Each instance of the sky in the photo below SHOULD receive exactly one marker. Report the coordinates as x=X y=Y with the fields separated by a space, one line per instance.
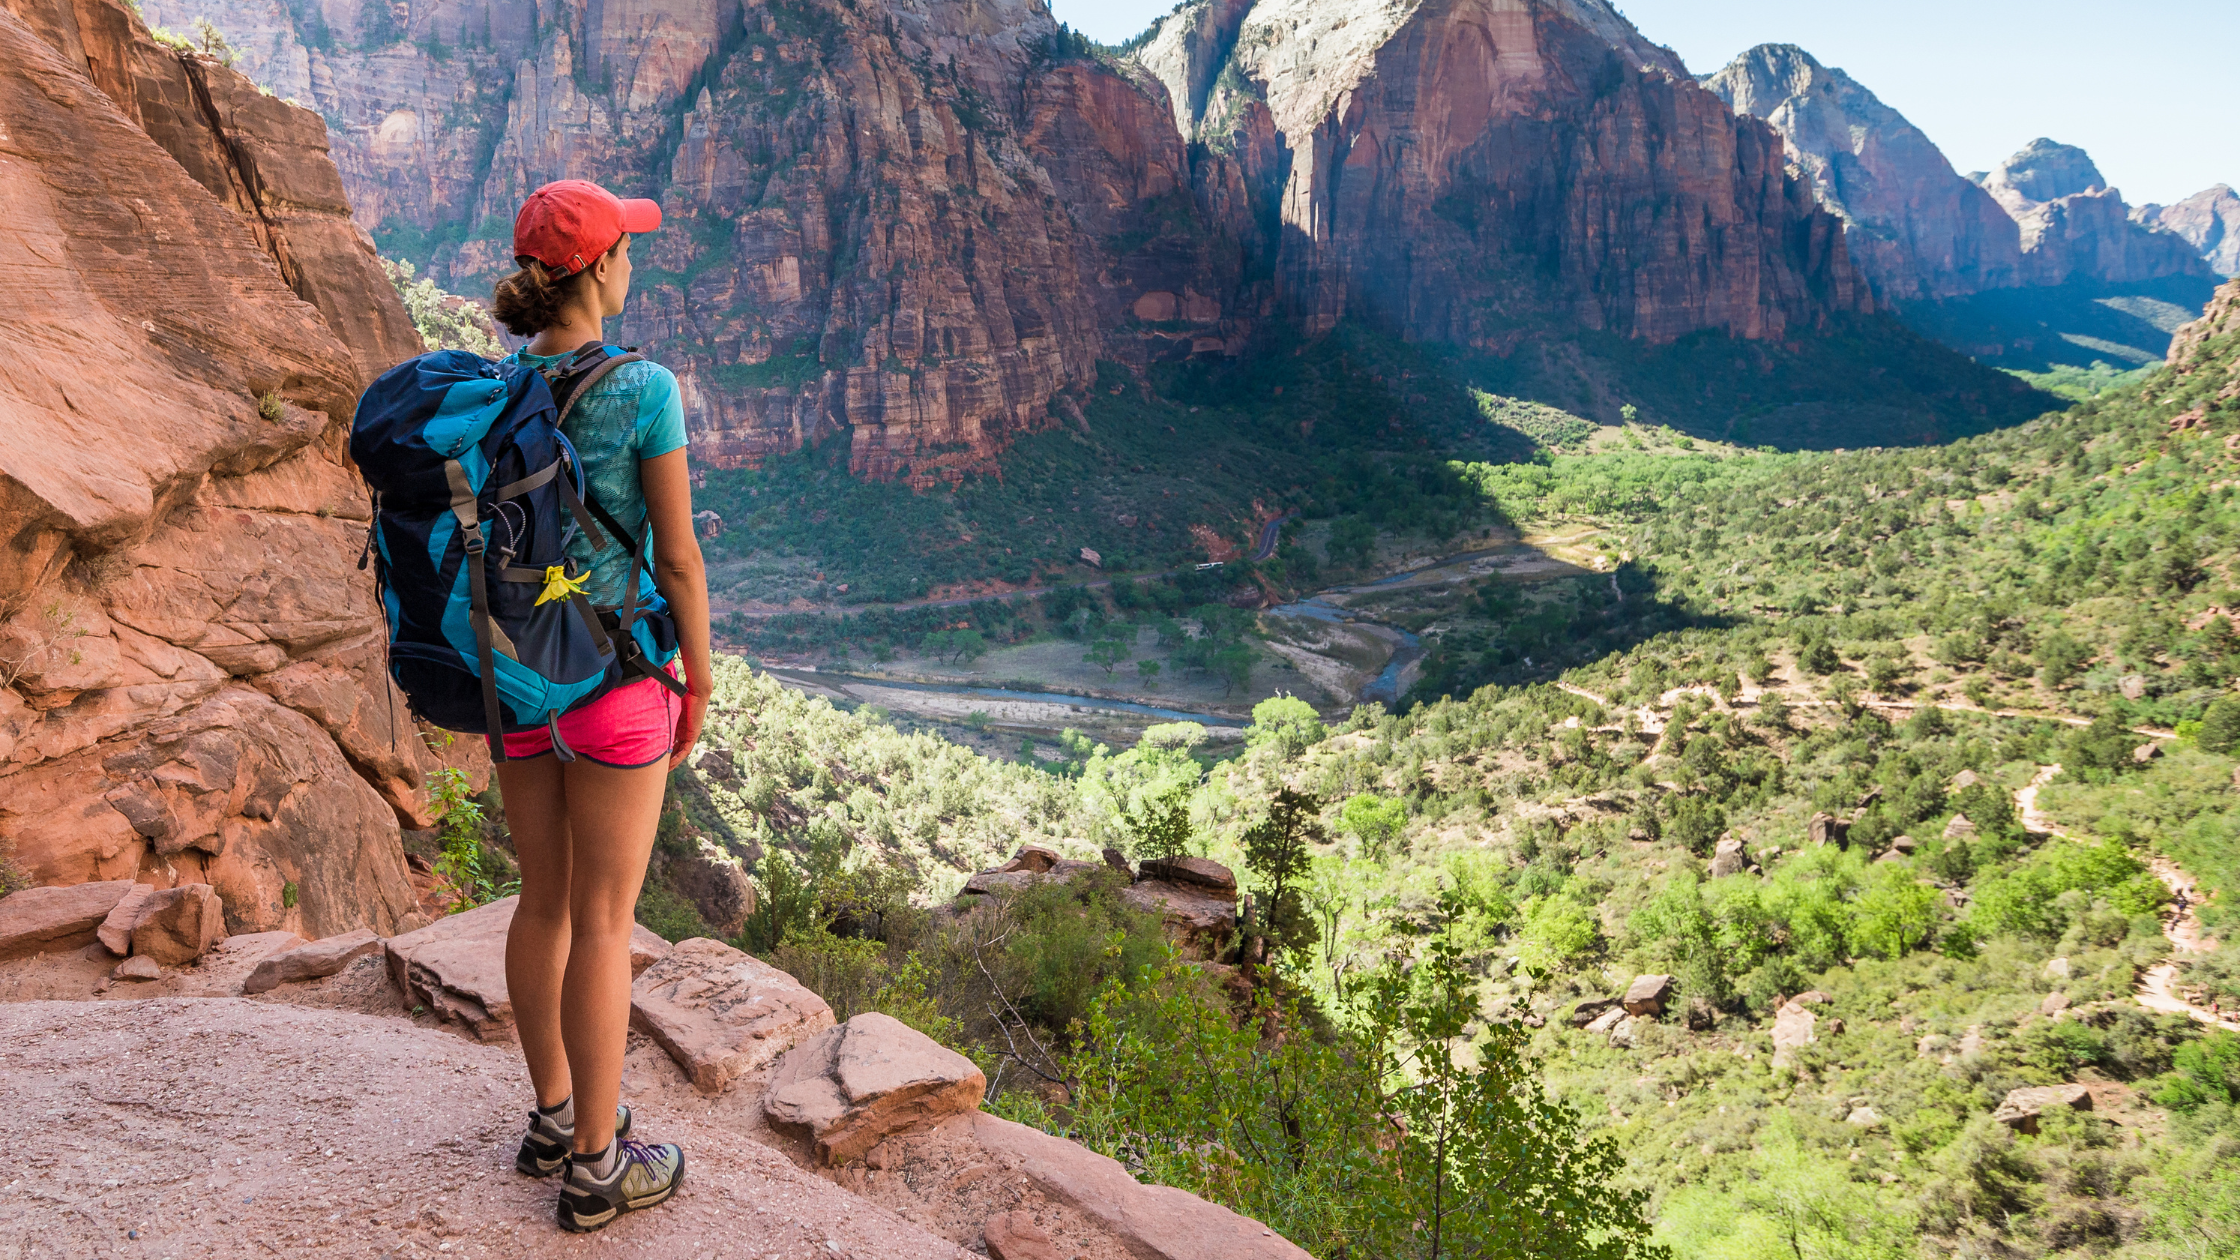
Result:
x=2147 y=87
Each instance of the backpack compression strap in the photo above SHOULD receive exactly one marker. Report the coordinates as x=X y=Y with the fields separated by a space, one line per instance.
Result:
x=489 y=637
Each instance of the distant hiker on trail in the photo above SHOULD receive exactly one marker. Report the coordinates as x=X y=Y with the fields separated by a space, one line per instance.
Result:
x=542 y=583
x=583 y=830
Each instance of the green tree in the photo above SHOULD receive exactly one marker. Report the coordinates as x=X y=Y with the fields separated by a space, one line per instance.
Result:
x=1894 y=912
x=2220 y=726
x=1278 y=850
x=1486 y=1163
x=1286 y=724
x=1147 y=672
x=1373 y=820
x=1160 y=828
x=1234 y=665
x=1108 y=653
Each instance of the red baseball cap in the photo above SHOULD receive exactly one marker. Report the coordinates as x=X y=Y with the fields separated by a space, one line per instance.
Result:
x=568 y=223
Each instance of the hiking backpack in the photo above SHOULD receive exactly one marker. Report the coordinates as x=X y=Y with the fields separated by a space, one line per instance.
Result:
x=476 y=496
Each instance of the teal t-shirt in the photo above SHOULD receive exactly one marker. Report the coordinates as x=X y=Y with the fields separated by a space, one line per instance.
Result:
x=631 y=414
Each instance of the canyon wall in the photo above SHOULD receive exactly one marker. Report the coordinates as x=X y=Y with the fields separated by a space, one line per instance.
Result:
x=1916 y=227
x=919 y=222
x=2209 y=221
x=191 y=680
x=1921 y=231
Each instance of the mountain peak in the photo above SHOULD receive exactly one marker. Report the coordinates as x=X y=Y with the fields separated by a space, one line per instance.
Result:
x=2046 y=170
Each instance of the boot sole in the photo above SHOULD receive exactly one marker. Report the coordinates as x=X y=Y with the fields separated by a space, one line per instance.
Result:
x=578 y=1223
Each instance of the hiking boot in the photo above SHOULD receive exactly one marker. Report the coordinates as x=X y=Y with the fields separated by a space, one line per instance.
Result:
x=545 y=1147
x=638 y=1177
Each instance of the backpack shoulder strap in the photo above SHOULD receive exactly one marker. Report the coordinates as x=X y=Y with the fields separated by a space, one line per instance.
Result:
x=583 y=370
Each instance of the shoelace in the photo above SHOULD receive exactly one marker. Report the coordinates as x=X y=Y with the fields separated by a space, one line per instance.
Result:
x=634 y=1151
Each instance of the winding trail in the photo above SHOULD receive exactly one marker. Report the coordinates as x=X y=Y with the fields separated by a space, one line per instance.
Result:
x=2158 y=988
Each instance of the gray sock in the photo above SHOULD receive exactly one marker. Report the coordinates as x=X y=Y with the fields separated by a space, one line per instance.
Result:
x=600 y=1166
x=563 y=1115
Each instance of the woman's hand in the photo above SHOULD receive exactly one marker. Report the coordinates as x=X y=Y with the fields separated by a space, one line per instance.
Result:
x=688 y=728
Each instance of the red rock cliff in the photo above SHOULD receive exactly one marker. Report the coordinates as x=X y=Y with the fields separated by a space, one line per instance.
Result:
x=193 y=687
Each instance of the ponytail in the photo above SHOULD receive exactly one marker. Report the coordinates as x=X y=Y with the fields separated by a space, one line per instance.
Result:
x=529 y=301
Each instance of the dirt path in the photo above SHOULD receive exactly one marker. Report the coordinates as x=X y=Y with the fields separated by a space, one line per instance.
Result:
x=2158 y=988
x=230 y=1128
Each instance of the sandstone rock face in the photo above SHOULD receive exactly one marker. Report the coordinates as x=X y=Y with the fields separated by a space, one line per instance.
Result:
x=456 y=967
x=1916 y=227
x=721 y=1013
x=1153 y=1222
x=116 y=930
x=47 y=920
x=922 y=225
x=2076 y=227
x=1015 y=1236
x=1728 y=859
x=312 y=961
x=2222 y=316
x=178 y=925
x=716 y=885
x=1197 y=919
x=1647 y=995
x=1792 y=1028
x=1195 y=871
x=850 y=1087
x=196 y=691
x=1459 y=165
x=2022 y=1108
x=2209 y=221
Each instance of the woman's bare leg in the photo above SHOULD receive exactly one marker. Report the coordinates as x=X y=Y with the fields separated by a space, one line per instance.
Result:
x=611 y=818
x=537 y=944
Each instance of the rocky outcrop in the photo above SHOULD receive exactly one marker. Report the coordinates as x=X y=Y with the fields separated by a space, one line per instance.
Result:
x=44 y=920
x=721 y=1013
x=2022 y=1108
x=1647 y=995
x=312 y=961
x=193 y=682
x=1916 y=227
x=455 y=968
x=849 y=1088
x=2075 y=227
x=2208 y=220
x=2189 y=345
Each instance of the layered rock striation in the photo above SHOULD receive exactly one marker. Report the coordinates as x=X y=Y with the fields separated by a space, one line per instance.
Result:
x=921 y=224
x=1916 y=227
x=1468 y=170
x=191 y=683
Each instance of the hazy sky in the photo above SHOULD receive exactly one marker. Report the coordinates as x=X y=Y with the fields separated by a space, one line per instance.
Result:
x=2147 y=87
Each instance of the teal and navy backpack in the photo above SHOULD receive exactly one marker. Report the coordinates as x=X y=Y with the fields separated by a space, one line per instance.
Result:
x=477 y=494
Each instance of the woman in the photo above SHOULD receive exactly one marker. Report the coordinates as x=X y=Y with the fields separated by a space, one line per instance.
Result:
x=583 y=829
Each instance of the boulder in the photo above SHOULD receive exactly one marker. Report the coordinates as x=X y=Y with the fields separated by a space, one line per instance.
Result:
x=1908 y=845
x=850 y=1087
x=311 y=962
x=1792 y=1029
x=2145 y=753
x=137 y=967
x=1647 y=995
x=2132 y=686
x=1002 y=879
x=1622 y=1033
x=2022 y=1107
x=721 y=1013
x=456 y=967
x=1118 y=861
x=1701 y=1015
x=1825 y=828
x=1964 y=779
x=1197 y=919
x=1728 y=859
x=1864 y=1117
x=1588 y=1009
x=1033 y=858
x=227 y=967
x=116 y=930
x=1959 y=828
x=1015 y=1236
x=175 y=926
x=2055 y=1003
x=1606 y=1021
x=1150 y=1222
x=1812 y=997
x=49 y=920
x=715 y=884
x=1195 y=872
x=2058 y=967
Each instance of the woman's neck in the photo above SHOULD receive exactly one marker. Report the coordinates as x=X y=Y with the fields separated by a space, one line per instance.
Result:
x=577 y=330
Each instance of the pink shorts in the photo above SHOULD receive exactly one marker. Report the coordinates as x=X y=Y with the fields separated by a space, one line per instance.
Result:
x=629 y=727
